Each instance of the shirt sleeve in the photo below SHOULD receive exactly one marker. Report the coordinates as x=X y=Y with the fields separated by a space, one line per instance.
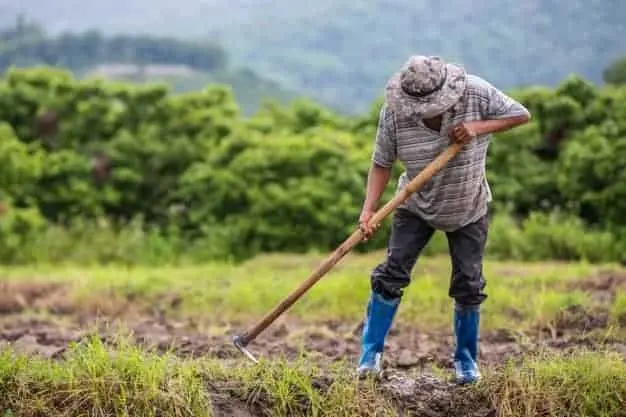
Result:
x=385 y=152
x=498 y=105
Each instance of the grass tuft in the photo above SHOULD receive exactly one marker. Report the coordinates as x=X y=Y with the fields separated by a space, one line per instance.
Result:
x=299 y=388
x=94 y=380
x=585 y=384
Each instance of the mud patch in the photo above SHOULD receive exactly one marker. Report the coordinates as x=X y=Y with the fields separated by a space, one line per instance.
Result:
x=38 y=337
x=577 y=326
x=407 y=348
x=31 y=345
x=17 y=296
x=603 y=287
x=60 y=299
x=581 y=319
x=410 y=395
x=427 y=395
x=227 y=408
x=224 y=404
x=410 y=383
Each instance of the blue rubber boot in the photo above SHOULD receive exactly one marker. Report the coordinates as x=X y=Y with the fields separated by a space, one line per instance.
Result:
x=466 y=325
x=379 y=316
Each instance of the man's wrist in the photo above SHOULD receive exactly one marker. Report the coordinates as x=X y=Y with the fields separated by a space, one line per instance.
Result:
x=368 y=208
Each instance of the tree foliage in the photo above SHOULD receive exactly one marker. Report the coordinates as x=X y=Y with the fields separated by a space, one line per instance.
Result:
x=616 y=72
x=287 y=178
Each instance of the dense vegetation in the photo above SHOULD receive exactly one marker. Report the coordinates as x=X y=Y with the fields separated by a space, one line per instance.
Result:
x=340 y=52
x=81 y=158
x=183 y=65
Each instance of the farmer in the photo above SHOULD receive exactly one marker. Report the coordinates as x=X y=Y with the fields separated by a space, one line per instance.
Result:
x=428 y=104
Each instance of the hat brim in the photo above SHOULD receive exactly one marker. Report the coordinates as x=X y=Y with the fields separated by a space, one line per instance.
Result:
x=431 y=105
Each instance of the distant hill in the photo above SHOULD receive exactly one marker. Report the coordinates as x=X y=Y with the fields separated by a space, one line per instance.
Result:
x=342 y=51
x=249 y=88
x=184 y=65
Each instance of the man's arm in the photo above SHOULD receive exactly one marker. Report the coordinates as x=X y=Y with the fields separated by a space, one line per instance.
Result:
x=377 y=179
x=383 y=157
x=499 y=113
x=484 y=127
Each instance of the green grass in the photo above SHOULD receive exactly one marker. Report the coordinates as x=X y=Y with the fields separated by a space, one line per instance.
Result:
x=302 y=389
x=519 y=294
x=95 y=381
x=122 y=380
x=126 y=381
x=583 y=384
x=618 y=310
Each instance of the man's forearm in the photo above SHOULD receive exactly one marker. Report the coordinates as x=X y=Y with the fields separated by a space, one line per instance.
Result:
x=377 y=180
x=499 y=125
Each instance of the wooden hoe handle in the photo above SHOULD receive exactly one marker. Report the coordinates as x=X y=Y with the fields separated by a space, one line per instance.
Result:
x=415 y=184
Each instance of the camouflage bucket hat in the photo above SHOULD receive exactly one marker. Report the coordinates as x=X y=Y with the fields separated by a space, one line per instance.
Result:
x=425 y=87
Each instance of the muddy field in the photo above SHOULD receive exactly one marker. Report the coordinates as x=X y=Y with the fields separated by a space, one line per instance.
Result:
x=38 y=319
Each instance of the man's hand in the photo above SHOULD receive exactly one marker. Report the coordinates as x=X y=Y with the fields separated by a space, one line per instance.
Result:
x=364 y=219
x=464 y=132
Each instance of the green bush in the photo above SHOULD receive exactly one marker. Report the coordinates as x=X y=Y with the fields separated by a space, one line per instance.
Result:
x=20 y=231
x=543 y=236
x=116 y=172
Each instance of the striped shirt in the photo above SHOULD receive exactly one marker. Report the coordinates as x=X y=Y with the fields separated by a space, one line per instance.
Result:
x=458 y=194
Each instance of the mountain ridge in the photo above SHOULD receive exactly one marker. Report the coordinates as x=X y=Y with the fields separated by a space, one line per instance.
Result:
x=341 y=52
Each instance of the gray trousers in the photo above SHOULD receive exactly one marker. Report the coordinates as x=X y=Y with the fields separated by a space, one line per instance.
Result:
x=409 y=236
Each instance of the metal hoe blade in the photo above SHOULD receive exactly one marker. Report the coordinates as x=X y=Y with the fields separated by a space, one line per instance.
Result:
x=239 y=344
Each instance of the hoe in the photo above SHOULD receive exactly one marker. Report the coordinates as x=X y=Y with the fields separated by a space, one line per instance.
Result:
x=242 y=341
